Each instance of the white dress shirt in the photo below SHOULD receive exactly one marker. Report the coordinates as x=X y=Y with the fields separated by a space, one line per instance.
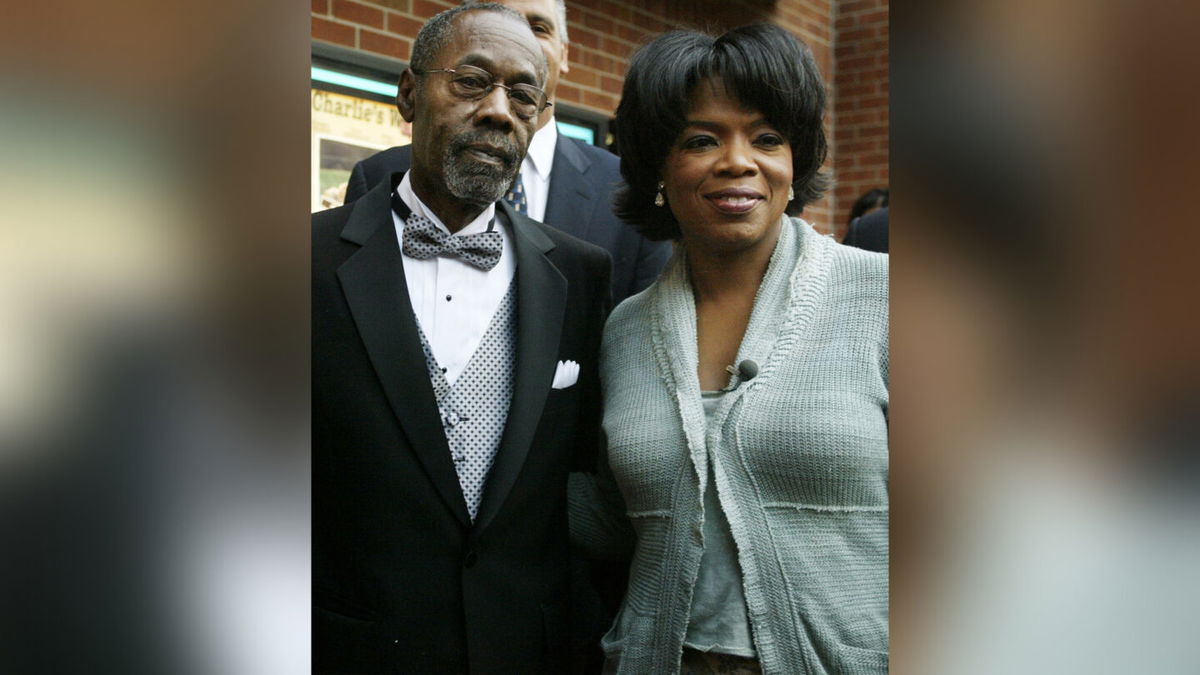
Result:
x=453 y=300
x=535 y=169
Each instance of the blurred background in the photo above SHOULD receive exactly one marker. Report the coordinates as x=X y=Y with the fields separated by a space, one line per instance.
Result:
x=154 y=337
x=156 y=169
x=1044 y=423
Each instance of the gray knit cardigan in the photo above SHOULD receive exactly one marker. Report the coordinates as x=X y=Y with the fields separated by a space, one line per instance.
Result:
x=799 y=455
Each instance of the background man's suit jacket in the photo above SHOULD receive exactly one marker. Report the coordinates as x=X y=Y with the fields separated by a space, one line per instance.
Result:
x=579 y=203
x=869 y=232
x=402 y=580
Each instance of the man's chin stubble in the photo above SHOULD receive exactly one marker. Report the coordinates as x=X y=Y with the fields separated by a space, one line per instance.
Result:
x=481 y=186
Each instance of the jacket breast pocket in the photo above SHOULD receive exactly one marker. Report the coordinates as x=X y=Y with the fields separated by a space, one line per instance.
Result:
x=561 y=401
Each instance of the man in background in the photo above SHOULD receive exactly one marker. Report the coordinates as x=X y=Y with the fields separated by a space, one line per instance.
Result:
x=563 y=182
x=868 y=226
x=869 y=232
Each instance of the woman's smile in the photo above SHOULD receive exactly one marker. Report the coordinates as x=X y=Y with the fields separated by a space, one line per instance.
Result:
x=734 y=201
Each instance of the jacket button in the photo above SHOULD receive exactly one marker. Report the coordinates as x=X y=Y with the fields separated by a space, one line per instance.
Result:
x=470 y=560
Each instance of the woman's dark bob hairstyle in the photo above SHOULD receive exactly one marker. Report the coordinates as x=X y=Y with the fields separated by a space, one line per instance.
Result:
x=761 y=65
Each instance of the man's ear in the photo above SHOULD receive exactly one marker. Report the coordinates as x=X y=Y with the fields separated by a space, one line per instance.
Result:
x=406 y=95
x=563 y=68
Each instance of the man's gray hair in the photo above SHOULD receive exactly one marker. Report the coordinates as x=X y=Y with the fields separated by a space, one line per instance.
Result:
x=560 y=5
x=435 y=34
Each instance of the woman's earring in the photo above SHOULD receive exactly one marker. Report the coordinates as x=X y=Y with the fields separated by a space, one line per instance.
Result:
x=658 y=198
x=791 y=193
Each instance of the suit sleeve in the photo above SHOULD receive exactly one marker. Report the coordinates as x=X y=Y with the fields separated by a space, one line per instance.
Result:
x=357 y=186
x=600 y=303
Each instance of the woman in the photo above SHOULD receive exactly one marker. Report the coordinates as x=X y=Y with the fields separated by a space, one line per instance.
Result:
x=746 y=390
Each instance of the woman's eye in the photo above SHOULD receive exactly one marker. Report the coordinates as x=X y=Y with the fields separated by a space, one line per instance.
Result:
x=771 y=140
x=699 y=142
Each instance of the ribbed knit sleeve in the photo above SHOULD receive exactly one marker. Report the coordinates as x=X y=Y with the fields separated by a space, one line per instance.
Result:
x=599 y=525
x=598 y=515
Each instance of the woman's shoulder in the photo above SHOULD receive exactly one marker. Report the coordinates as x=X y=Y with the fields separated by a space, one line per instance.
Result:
x=850 y=267
x=844 y=265
x=628 y=333
x=868 y=269
x=807 y=235
x=638 y=307
x=637 y=323
x=632 y=312
x=847 y=284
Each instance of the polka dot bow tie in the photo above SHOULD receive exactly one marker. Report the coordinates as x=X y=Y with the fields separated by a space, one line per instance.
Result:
x=423 y=240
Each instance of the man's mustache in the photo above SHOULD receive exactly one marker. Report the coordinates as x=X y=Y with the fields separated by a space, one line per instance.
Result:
x=497 y=144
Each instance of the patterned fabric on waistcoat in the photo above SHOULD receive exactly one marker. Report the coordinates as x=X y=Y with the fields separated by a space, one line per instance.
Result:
x=475 y=409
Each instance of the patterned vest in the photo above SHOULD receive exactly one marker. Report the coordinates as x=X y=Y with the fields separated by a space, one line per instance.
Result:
x=475 y=409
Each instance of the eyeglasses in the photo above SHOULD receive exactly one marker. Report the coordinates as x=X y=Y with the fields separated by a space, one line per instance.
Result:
x=471 y=83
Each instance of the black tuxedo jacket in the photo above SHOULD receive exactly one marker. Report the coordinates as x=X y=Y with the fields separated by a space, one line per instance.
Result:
x=582 y=180
x=402 y=580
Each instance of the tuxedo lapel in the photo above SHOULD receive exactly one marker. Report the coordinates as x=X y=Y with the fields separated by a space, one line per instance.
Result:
x=541 y=302
x=373 y=282
x=570 y=197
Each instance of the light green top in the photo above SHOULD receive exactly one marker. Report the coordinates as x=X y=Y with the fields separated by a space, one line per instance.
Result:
x=718 y=621
x=799 y=456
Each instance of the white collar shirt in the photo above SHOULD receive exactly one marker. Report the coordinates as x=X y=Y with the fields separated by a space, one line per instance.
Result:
x=454 y=301
x=535 y=169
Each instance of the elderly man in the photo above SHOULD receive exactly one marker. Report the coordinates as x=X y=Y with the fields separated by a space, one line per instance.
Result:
x=563 y=182
x=454 y=374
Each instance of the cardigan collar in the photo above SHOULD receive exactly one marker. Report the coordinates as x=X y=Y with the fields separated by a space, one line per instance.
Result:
x=796 y=278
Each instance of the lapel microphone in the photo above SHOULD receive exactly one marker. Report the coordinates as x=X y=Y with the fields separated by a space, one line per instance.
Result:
x=746 y=370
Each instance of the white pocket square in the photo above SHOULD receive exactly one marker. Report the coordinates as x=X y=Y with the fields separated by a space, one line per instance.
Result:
x=565 y=374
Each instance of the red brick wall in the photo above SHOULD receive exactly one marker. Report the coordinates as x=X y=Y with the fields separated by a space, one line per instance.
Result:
x=861 y=102
x=604 y=33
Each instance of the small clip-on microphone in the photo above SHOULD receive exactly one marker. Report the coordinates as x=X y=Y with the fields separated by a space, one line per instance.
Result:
x=746 y=370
